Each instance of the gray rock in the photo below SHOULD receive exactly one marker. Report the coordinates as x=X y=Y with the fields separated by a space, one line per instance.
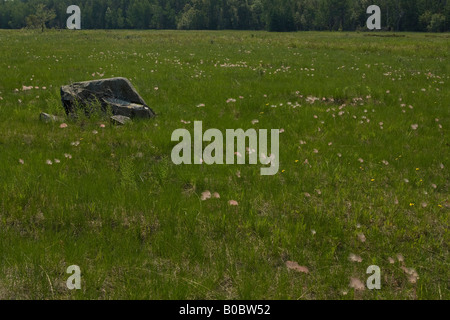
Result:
x=45 y=117
x=120 y=120
x=128 y=109
x=116 y=93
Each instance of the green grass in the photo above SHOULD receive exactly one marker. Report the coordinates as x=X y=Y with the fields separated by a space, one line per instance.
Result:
x=134 y=222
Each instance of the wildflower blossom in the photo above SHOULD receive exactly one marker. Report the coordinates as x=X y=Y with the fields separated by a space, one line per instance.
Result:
x=205 y=195
x=233 y=203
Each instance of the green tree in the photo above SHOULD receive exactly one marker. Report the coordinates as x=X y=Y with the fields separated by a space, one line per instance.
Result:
x=437 y=23
x=110 y=19
x=192 y=19
x=276 y=15
x=120 y=19
x=41 y=17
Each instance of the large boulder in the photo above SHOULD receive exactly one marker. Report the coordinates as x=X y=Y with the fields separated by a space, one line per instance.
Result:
x=116 y=93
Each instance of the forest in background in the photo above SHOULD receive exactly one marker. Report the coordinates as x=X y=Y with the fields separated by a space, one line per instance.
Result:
x=271 y=15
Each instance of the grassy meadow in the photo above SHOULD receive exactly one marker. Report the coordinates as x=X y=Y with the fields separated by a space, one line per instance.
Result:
x=363 y=179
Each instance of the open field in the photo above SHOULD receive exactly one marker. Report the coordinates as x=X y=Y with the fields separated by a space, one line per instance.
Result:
x=363 y=180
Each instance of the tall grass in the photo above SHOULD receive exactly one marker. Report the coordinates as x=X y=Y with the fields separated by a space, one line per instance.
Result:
x=363 y=167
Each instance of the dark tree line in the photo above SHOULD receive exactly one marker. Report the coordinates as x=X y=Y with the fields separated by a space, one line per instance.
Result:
x=272 y=15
